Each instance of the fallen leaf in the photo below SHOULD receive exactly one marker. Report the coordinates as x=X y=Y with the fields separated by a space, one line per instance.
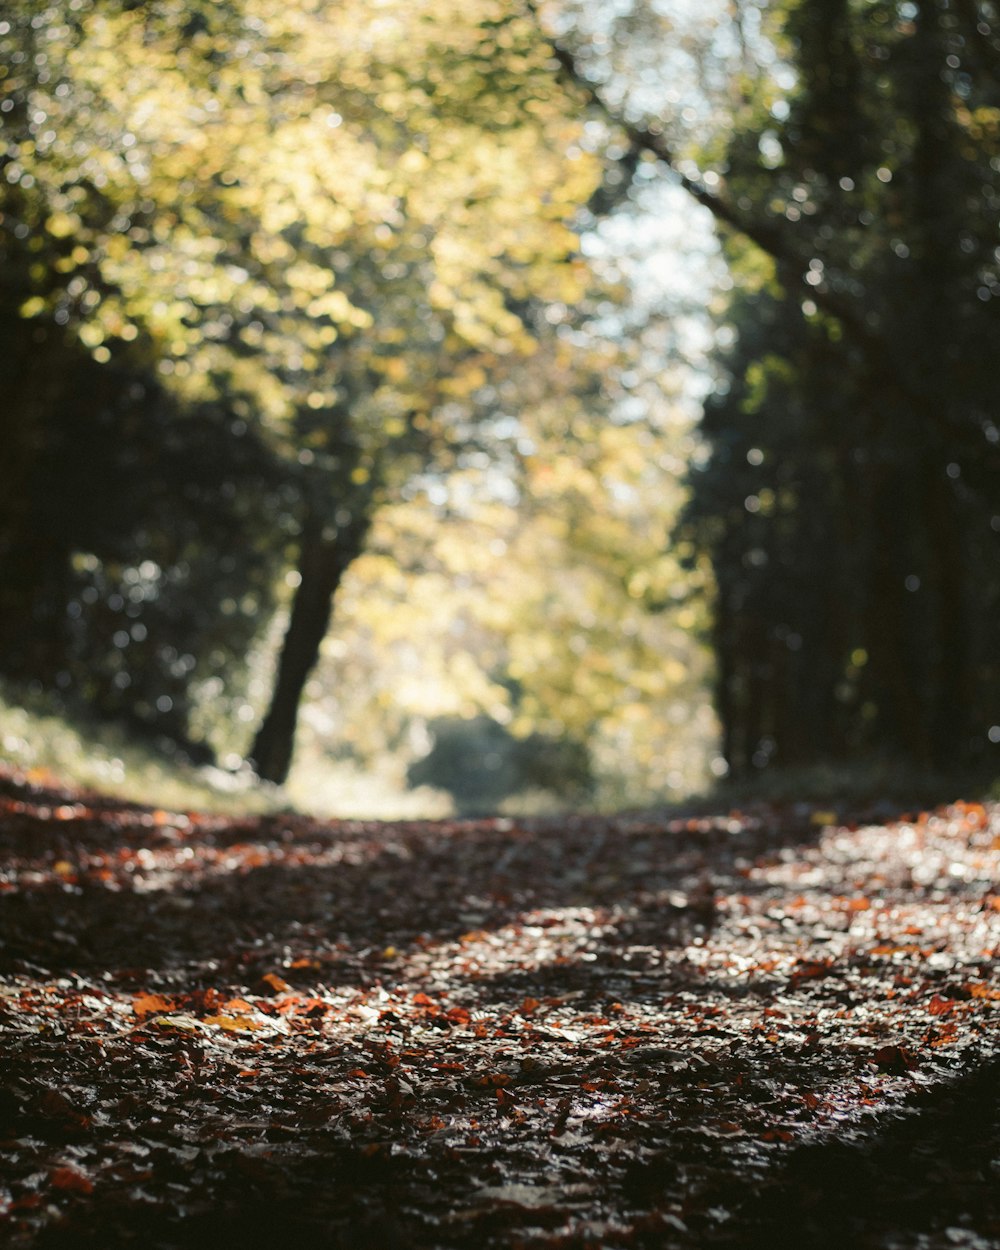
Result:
x=71 y=1180
x=146 y=1004
x=182 y=1021
x=234 y=1024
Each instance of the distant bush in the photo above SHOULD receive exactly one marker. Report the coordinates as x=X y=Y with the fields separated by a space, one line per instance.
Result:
x=480 y=763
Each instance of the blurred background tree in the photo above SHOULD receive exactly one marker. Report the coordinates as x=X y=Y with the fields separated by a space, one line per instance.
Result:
x=369 y=302
x=850 y=504
x=294 y=268
x=848 y=500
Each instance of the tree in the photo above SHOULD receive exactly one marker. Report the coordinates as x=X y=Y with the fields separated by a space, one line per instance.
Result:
x=117 y=492
x=323 y=229
x=471 y=244
x=859 y=385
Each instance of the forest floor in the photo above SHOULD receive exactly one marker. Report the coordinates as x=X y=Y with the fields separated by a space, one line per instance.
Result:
x=775 y=1027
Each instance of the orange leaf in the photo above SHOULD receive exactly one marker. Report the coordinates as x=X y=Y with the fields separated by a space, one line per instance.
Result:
x=808 y=969
x=72 y=1181
x=146 y=1004
x=234 y=1024
x=236 y=1006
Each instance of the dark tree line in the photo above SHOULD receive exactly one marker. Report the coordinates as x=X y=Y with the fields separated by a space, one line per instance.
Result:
x=850 y=500
x=139 y=542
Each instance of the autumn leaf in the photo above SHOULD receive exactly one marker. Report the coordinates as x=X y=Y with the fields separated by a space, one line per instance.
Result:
x=236 y=1006
x=234 y=1024
x=895 y=1059
x=71 y=1180
x=146 y=1004
x=276 y=983
x=182 y=1021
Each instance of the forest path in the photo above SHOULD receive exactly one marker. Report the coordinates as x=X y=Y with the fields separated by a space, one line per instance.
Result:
x=750 y=1028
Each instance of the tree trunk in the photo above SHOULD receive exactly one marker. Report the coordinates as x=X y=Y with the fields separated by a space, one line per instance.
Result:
x=725 y=683
x=938 y=185
x=324 y=556
x=951 y=688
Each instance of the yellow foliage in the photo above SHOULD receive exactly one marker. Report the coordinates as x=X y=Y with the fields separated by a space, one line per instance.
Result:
x=289 y=160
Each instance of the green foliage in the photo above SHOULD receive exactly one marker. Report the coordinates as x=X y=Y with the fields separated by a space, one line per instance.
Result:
x=42 y=743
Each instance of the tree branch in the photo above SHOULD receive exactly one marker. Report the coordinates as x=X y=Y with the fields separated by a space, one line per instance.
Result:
x=877 y=351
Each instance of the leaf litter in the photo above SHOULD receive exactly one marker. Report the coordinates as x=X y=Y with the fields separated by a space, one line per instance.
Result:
x=769 y=1027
